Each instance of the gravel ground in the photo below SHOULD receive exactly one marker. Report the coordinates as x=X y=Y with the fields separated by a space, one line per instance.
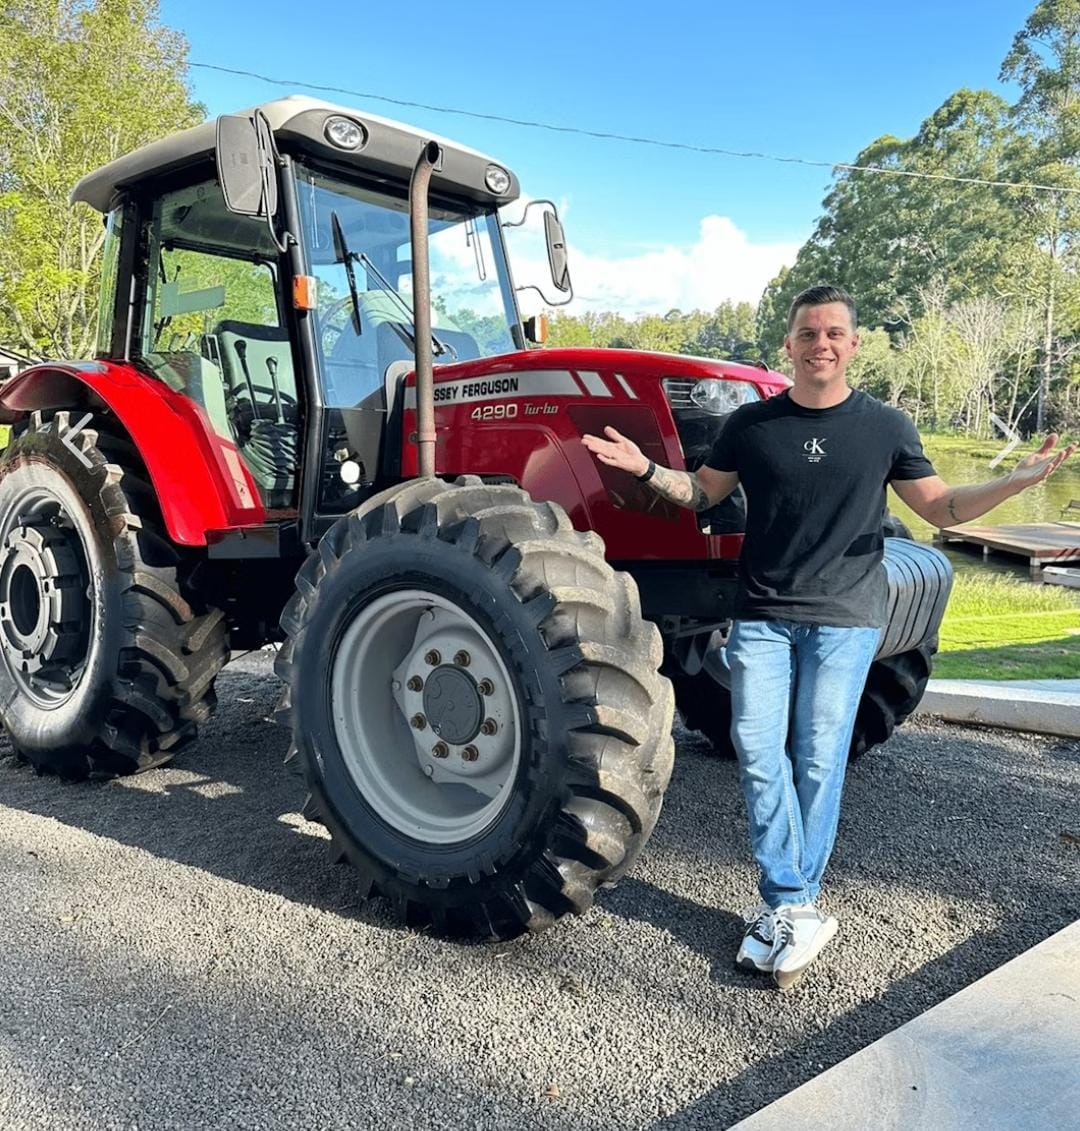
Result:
x=175 y=951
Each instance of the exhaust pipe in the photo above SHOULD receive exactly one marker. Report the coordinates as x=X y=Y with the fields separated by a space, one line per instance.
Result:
x=429 y=157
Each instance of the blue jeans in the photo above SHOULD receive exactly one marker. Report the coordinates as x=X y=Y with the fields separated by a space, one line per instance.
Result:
x=795 y=690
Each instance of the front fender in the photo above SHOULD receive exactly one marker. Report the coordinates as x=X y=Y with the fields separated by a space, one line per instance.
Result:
x=200 y=480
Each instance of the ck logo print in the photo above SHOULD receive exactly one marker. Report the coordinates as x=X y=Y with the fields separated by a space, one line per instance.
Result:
x=815 y=450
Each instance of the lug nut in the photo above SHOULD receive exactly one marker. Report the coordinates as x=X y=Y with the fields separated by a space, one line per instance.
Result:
x=470 y=754
x=433 y=658
x=418 y=722
x=462 y=659
x=415 y=683
x=489 y=726
x=486 y=687
x=440 y=750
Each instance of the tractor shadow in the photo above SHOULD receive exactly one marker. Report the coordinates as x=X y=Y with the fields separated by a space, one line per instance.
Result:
x=225 y=804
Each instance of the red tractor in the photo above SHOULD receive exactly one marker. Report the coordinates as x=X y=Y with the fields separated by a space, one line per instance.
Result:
x=306 y=311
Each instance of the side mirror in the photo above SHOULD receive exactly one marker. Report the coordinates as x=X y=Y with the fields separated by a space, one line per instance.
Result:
x=556 y=249
x=245 y=162
x=558 y=260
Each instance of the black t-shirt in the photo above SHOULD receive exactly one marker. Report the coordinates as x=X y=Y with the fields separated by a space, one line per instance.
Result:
x=815 y=492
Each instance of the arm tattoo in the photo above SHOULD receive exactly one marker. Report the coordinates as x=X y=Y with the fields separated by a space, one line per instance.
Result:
x=679 y=487
x=951 y=504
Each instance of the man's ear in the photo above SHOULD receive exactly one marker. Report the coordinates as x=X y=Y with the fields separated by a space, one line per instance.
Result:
x=855 y=340
x=787 y=345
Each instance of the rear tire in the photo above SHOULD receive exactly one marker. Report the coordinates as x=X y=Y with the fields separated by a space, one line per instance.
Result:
x=107 y=661
x=561 y=792
x=705 y=707
x=894 y=688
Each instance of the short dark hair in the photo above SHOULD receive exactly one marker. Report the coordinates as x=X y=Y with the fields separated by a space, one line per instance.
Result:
x=819 y=296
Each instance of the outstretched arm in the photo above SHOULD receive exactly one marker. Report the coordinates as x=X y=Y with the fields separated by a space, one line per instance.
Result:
x=695 y=490
x=936 y=502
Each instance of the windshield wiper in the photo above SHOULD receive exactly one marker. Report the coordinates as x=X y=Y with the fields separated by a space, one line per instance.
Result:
x=347 y=257
x=441 y=347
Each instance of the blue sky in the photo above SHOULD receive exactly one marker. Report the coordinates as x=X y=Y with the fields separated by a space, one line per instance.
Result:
x=648 y=228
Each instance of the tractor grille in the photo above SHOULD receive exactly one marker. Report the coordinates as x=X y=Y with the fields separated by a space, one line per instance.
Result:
x=678 y=389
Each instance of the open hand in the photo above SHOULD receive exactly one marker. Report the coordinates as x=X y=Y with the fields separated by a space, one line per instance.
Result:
x=617 y=451
x=1036 y=466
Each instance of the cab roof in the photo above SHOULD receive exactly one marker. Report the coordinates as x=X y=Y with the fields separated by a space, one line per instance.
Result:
x=298 y=122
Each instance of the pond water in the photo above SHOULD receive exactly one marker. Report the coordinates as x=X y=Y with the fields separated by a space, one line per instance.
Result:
x=1038 y=504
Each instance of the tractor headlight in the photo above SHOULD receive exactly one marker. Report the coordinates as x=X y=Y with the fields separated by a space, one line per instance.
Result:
x=344 y=132
x=700 y=408
x=497 y=180
x=718 y=398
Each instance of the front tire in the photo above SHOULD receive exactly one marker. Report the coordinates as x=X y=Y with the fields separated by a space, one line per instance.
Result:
x=475 y=706
x=107 y=663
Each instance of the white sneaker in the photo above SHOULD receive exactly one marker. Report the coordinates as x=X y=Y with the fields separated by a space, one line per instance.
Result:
x=799 y=934
x=756 y=952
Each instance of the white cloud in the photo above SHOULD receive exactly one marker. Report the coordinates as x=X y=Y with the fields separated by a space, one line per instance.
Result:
x=723 y=263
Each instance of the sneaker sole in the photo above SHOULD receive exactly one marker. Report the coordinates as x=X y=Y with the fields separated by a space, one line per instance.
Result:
x=785 y=979
x=749 y=966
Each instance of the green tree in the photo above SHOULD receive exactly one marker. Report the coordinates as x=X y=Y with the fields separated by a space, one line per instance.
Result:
x=877 y=367
x=1045 y=61
x=80 y=84
x=729 y=332
x=885 y=235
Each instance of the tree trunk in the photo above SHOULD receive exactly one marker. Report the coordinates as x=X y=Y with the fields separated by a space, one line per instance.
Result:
x=1048 y=341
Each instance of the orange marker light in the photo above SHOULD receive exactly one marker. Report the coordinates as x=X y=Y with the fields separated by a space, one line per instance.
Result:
x=305 y=292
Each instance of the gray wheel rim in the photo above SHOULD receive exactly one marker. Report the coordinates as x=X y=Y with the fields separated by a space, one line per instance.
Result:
x=46 y=614
x=425 y=716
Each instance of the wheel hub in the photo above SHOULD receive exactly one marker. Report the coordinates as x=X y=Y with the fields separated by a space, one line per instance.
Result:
x=453 y=705
x=43 y=603
x=426 y=716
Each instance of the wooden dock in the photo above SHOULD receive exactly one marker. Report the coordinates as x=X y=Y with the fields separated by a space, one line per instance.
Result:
x=1042 y=543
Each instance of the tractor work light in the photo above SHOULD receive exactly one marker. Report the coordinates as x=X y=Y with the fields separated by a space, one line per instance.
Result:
x=497 y=179
x=344 y=132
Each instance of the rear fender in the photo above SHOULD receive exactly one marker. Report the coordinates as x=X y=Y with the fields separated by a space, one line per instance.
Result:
x=201 y=482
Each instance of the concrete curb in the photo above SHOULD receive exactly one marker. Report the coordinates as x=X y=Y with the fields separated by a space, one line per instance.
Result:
x=1040 y=706
x=999 y=1054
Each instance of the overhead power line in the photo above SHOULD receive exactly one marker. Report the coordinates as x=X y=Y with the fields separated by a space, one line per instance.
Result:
x=635 y=140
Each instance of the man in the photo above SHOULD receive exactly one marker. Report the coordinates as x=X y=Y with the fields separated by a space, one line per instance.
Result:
x=814 y=463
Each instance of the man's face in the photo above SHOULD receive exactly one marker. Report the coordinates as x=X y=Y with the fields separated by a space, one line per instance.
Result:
x=821 y=343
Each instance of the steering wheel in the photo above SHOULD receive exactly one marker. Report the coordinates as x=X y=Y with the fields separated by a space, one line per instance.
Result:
x=345 y=375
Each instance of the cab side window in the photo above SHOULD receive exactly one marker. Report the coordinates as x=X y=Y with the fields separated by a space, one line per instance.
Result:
x=212 y=331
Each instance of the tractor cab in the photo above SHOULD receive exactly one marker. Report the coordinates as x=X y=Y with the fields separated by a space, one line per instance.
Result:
x=262 y=267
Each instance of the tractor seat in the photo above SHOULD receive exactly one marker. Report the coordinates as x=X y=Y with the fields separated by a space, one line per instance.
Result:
x=381 y=313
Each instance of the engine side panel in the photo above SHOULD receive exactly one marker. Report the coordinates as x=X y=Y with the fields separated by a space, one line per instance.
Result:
x=522 y=416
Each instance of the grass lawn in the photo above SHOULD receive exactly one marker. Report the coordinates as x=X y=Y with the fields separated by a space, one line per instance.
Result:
x=999 y=628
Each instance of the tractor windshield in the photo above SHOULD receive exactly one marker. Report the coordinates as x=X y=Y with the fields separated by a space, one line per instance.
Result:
x=365 y=323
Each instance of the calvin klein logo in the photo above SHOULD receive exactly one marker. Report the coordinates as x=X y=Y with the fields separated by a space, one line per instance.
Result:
x=815 y=452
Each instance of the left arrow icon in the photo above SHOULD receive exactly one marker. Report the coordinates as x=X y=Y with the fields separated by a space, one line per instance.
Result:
x=68 y=439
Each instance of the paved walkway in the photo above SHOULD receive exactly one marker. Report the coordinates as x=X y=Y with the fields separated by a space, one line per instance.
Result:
x=1001 y=1055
